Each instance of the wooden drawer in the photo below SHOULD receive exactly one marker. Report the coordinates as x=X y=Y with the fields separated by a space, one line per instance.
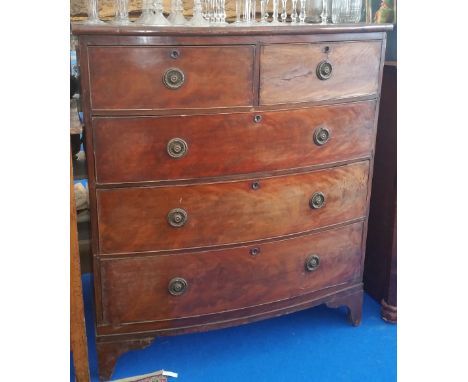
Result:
x=137 y=149
x=132 y=77
x=289 y=72
x=137 y=219
x=137 y=288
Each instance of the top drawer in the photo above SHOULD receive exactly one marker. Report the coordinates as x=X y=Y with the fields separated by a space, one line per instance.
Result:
x=170 y=77
x=318 y=71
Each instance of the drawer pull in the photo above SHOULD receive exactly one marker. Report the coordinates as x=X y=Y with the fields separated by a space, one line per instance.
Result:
x=312 y=263
x=177 y=148
x=324 y=70
x=177 y=286
x=255 y=251
x=317 y=200
x=321 y=136
x=177 y=217
x=173 y=78
x=255 y=185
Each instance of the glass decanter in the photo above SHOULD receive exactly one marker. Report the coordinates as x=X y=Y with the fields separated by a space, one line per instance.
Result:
x=146 y=13
x=157 y=17
x=346 y=11
x=93 y=13
x=198 y=20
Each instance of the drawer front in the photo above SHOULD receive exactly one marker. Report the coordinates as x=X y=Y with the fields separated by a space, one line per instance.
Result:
x=142 y=149
x=186 y=216
x=204 y=77
x=137 y=289
x=319 y=71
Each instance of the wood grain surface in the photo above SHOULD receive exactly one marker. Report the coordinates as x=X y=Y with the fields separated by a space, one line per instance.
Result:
x=288 y=72
x=136 y=289
x=135 y=219
x=132 y=77
x=135 y=149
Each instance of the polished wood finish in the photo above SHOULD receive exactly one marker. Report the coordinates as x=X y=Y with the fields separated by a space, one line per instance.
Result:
x=245 y=185
x=288 y=72
x=79 y=343
x=230 y=144
x=380 y=273
x=146 y=30
x=231 y=212
x=132 y=77
x=223 y=280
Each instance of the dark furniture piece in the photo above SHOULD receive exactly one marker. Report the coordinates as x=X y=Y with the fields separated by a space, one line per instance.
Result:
x=380 y=272
x=229 y=172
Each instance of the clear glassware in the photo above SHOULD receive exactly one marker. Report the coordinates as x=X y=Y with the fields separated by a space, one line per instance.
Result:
x=275 y=13
x=302 y=14
x=157 y=16
x=121 y=13
x=284 y=14
x=264 y=11
x=146 y=13
x=176 y=17
x=238 y=21
x=346 y=11
x=294 y=15
x=314 y=9
x=253 y=11
x=197 y=19
x=93 y=13
x=355 y=11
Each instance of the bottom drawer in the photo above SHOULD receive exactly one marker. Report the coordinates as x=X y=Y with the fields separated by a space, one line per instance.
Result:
x=164 y=287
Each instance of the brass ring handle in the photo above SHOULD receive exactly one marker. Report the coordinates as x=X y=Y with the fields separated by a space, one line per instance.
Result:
x=177 y=217
x=177 y=286
x=177 y=148
x=173 y=78
x=324 y=70
x=321 y=136
x=312 y=263
x=317 y=200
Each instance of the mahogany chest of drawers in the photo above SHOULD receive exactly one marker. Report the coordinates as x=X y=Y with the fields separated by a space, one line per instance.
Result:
x=229 y=173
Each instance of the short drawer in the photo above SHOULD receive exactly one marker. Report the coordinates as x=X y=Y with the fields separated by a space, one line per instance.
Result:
x=318 y=71
x=163 y=287
x=186 y=216
x=187 y=147
x=170 y=77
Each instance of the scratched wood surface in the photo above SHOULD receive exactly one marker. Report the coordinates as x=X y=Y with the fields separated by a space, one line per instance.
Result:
x=131 y=77
x=288 y=72
x=220 y=145
x=136 y=289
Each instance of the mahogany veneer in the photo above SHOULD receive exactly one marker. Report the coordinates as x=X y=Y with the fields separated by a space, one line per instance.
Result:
x=230 y=173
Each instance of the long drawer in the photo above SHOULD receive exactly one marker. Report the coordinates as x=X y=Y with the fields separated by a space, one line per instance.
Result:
x=163 y=287
x=319 y=71
x=171 y=77
x=185 y=216
x=187 y=147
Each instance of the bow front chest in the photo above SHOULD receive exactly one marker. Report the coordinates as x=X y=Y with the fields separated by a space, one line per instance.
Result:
x=229 y=173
